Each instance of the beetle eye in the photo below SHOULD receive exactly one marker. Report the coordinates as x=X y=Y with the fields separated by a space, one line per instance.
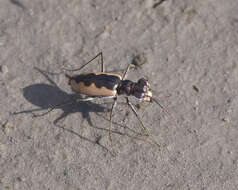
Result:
x=143 y=82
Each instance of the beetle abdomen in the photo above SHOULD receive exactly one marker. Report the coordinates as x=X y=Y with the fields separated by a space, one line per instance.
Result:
x=95 y=84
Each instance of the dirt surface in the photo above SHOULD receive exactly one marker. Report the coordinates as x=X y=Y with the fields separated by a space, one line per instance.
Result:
x=190 y=51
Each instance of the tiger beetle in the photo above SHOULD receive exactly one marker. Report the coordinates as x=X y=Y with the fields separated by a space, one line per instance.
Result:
x=102 y=85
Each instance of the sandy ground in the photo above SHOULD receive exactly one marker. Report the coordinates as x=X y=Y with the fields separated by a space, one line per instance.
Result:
x=191 y=49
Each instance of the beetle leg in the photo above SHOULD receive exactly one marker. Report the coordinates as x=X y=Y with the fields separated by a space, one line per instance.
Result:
x=102 y=64
x=142 y=124
x=71 y=102
x=93 y=98
x=113 y=106
x=136 y=114
x=54 y=107
x=126 y=71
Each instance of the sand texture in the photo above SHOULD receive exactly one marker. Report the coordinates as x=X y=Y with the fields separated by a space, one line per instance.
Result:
x=187 y=49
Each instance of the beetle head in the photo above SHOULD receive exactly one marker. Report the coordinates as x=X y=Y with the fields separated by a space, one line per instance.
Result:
x=142 y=90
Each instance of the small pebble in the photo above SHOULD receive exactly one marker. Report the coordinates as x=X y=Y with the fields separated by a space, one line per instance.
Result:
x=3 y=69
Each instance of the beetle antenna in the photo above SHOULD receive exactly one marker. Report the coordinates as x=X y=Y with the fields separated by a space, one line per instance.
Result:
x=165 y=110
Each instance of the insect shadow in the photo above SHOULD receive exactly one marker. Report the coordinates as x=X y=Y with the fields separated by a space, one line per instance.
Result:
x=17 y=3
x=45 y=95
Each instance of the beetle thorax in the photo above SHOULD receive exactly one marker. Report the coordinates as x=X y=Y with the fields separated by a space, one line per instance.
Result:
x=141 y=89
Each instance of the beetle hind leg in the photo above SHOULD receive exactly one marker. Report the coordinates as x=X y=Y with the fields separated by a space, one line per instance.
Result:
x=101 y=60
x=70 y=102
x=110 y=128
x=53 y=108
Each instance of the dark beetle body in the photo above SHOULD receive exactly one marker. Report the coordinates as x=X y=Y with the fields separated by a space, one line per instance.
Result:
x=109 y=84
x=96 y=84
